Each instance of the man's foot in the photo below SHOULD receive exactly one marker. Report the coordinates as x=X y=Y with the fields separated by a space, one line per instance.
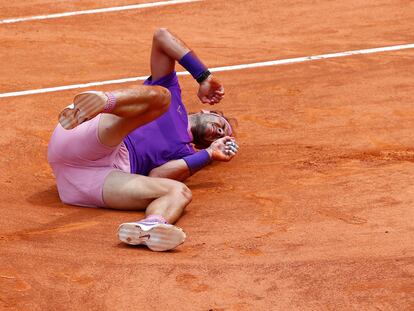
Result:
x=157 y=236
x=85 y=106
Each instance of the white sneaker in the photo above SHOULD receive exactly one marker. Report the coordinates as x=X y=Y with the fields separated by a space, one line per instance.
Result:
x=157 y=236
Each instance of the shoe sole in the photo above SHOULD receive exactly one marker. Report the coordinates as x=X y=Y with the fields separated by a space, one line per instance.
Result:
x=85 y=106
x=161 y=237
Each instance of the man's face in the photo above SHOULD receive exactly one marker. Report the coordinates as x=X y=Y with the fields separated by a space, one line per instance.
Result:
x=215 y=126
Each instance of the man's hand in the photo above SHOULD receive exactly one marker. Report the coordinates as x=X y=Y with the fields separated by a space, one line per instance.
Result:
x=223 y=149
x=211 y=91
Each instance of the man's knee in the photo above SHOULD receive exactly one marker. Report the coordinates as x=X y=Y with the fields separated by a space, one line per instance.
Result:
x=183 y=192
x=160 y=34
x=187 y=194
x=165 y=98
x=161 y=98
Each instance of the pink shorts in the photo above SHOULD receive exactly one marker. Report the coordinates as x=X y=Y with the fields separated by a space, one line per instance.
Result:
x=81 y=163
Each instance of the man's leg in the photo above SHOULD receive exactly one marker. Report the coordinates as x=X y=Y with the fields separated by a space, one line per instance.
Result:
x=164 y=200
x=133 y=107
x=129 y=109
x=159 y=196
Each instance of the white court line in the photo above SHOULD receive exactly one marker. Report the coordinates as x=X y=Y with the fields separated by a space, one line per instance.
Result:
x=216 y=69
x=95 y=11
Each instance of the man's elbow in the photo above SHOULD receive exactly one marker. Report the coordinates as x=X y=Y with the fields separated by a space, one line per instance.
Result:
x=160 y=34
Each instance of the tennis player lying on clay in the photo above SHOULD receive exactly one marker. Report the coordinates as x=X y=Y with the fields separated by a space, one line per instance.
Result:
x=129 y=149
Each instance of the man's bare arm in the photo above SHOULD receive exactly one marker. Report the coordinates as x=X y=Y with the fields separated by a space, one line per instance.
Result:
x=168 y=48
x=175 y=169
x=223 y=150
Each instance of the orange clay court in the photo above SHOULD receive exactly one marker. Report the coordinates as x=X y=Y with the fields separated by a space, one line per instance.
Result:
x=314 y=213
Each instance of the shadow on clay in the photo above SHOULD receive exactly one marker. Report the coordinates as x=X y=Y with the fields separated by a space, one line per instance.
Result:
x=142 y=248
x=48 y=197
x=205 y=185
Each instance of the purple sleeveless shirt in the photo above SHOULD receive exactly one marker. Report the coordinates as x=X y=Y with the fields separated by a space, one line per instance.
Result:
x=163 y=139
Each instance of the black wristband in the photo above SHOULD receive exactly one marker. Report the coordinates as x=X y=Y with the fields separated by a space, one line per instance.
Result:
x=201 y=78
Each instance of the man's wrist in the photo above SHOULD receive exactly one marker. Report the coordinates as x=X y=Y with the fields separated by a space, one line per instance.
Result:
x=198 y=160
x=210 y=153
x=194 y=66
x=204 y=76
